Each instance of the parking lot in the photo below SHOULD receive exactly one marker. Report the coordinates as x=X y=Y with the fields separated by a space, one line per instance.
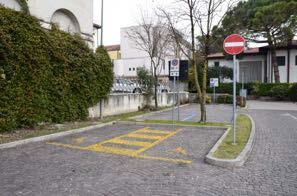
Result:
x=215 y=113
x=147 y=159
x=122 y=159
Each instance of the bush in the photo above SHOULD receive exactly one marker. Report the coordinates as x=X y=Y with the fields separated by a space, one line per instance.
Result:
x=280 y=91
x=225 y=99
x=293 y=92
x=46 y=76
x=277 y=90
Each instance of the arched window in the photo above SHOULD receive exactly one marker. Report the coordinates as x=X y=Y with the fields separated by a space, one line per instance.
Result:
x=66 y=21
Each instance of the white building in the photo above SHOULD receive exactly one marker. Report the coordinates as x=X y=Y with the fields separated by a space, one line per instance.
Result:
x=74 y=16
x=255 y=64
x=132 y=58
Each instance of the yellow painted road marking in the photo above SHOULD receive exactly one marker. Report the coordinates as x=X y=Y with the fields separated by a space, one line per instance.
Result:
x=66 y=145
x=158 y=141
x=128 y=142
x=165 y=159
x=112 y=150
x=99 y=147
x=181 y=150
x=144 y=136
x=79 y=140
x=153 y=131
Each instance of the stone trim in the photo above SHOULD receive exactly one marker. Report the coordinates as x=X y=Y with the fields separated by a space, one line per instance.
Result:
x=52 y=136
x=243 y=156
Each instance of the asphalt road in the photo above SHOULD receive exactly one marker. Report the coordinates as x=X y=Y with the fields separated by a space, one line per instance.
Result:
x=85 y=164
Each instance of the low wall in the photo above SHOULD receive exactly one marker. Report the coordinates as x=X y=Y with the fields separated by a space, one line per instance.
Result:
x=124 y=103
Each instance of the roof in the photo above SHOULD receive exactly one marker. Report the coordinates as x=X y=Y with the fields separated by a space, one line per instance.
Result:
x=252 y=51
x=113 y=47
x=222 y=55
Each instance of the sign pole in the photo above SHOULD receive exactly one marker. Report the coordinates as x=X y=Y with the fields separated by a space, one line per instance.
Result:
x=177 y=98
x=173 y=104
x=214 y=94
x=234 y=99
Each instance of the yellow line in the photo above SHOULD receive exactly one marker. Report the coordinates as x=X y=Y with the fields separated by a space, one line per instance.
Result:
x=128 y=142
x=79 y=140
x=66 y=145
x=128 y=152
x=153 y=131
x=165 y=159
x=112 y=150
x=158 y=141
x=133 y=135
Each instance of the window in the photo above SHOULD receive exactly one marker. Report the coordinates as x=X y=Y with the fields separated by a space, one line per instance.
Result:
x=217 y=64
x=281 y=60
x=133 y=68
x=296 y=60
x=129 y=69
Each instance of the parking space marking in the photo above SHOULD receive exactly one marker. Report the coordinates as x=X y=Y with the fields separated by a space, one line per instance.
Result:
x=142 y=146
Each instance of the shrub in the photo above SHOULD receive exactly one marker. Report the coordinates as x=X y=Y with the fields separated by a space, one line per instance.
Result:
x=46 y=76
x=293 y=92
x=225 y=99
x=277 y=90
x=280 y=91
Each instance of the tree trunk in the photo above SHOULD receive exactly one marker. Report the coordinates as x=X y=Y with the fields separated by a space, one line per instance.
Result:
x=274 y=64
x=203 y=101
x=156 y=89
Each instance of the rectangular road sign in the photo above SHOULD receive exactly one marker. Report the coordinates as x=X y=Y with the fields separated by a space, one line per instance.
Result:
x=214 y=82
x=174 y=67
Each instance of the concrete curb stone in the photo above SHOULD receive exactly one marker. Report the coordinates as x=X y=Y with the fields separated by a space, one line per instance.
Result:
x=243 y=156
x=52 y=136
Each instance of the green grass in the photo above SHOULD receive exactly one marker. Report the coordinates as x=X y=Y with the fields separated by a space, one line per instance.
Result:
x=243 y=129
x=186 y=123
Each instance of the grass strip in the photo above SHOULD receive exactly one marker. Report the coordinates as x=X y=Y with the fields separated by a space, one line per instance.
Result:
x=186 y=123
x=243 y=129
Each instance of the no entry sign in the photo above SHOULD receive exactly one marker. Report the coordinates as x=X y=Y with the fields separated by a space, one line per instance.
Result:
x=234 y=44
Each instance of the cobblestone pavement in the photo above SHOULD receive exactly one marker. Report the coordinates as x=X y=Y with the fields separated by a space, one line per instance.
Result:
x=42 y=169
x=215 y=113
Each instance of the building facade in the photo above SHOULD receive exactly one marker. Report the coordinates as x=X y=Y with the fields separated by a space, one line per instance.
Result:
x=73 y=16
x=133 y=58
x=255 y=64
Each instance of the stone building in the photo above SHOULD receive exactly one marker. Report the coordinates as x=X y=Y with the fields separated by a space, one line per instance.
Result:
x=73 y=16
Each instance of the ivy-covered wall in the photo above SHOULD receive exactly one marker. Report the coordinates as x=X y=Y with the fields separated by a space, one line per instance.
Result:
x=46 y=76
x=24 y=6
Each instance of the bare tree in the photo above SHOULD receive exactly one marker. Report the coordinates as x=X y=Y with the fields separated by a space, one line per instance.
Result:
x=151 y=36
x=199 y=17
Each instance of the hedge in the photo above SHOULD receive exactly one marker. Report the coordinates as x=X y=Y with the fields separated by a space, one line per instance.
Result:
x=277 y=90
x=46 y=76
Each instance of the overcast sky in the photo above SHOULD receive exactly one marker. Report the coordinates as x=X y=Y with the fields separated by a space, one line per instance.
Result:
x=119 y=13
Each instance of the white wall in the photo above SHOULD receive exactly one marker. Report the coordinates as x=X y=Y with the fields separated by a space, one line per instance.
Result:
x=12 y=4
x=134 y=57
x=128 y=47
x=123 y=103
x=293 y=66
x=282 y=69
x=229 y=63
x=45 y=9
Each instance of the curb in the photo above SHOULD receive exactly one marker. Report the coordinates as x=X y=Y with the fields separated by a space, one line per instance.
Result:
x=242 y=157
x=157 y=112
x=52 y=136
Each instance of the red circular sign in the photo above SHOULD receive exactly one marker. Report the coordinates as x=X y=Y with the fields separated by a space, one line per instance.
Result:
x=234 y=44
